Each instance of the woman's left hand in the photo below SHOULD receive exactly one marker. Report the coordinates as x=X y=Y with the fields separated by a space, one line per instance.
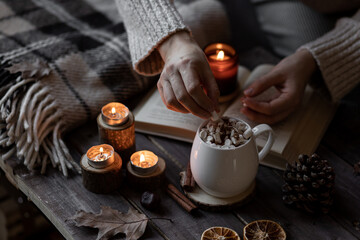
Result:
x=290 y=77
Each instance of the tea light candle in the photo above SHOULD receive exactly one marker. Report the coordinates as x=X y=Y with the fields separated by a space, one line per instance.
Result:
x=145 y=170
x=117 y=127
x=100 y=168
x=114 y=113
x=100 y=156
x=144 y=162
x=222 y=59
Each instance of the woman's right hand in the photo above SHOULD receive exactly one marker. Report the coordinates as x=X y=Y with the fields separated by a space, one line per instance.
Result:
x=186 y=83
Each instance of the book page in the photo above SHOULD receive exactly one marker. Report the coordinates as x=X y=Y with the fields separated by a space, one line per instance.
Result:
x=282 y=130
x=154 y=111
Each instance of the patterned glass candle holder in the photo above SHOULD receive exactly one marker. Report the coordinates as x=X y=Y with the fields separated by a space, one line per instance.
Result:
x=117 y=127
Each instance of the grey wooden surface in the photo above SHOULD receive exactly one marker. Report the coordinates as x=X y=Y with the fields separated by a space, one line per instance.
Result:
x=59 y=198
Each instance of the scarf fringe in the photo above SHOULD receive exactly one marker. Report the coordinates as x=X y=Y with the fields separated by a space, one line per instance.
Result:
x=31 y=124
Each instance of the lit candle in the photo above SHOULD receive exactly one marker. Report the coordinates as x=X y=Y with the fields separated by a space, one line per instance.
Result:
x=100 y=156
x=144 y=162
x=219 y=56
x=116 y=125
x=114 y=113
x=222 y=59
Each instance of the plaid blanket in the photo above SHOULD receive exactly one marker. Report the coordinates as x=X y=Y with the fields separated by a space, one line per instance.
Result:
x=60 y=61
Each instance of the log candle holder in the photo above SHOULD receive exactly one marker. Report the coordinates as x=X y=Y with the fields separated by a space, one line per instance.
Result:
x=101 y=167
x=116 y=126
x=145 y=170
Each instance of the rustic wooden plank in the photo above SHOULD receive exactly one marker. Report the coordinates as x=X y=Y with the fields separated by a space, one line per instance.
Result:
x=267 y=204
x=320 y=225
x=185 y=226
x=176 y=155
x=22 y=218
x=59 y=197
x=347 y=186
x=177 y=151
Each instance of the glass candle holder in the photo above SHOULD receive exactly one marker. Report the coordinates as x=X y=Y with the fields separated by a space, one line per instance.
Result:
x=116 y=127
x=144 y=162
x=222 y=59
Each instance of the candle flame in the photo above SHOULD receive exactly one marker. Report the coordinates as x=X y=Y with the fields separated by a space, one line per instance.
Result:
x=142 y=158
x=113 y=110
x=220 y=55
x=101 y=149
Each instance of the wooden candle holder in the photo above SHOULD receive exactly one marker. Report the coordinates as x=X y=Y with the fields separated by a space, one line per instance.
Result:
x=101 y=180
x=151 y=181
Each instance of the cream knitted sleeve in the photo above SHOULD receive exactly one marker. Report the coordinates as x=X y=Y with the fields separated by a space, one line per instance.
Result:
x=148 y=23
x=337 y=54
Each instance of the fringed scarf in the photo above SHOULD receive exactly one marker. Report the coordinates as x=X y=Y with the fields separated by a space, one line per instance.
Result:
x=60 y=61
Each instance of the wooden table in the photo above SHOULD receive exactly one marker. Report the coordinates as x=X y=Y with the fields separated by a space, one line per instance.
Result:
x=59 y=198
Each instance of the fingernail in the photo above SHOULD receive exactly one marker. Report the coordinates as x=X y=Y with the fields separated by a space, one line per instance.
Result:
x=243 y=99
x=248 y=91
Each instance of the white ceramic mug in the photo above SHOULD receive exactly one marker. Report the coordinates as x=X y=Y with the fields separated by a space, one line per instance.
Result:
x=227 y=173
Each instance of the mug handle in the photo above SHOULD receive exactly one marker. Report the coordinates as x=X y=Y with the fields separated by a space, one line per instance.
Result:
x=260 y=129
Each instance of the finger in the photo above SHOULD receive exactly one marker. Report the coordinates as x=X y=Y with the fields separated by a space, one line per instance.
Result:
x=277 y=105
x=211 y=87
x=193 y=87
x=184 y=98
x=263 y=118
x=263 y=83
x=168 y=96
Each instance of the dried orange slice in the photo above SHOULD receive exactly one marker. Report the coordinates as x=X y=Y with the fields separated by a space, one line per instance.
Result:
x=219 y=233
x=264 y=230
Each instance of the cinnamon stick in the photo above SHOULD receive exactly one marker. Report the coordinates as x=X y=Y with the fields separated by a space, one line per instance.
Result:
x=180 y=198
x=193 y=183
x=189 y=183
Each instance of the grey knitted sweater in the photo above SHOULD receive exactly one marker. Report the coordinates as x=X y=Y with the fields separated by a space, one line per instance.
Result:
x=149 y=23
x=337 y=54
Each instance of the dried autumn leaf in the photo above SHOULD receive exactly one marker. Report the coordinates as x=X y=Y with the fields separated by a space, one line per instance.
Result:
x=111 y=222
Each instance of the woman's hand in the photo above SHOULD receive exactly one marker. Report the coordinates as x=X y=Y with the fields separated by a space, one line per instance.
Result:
x=290 y=77
x=186 y=83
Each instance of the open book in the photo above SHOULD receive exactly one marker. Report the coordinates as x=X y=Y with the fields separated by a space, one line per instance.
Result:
x=300 y=133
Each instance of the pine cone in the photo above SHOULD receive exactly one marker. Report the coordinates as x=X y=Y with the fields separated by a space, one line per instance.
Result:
x=309 y=184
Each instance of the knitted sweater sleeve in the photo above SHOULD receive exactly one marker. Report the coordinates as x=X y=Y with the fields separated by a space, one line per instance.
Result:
x=148 y=23
x=337 y=54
